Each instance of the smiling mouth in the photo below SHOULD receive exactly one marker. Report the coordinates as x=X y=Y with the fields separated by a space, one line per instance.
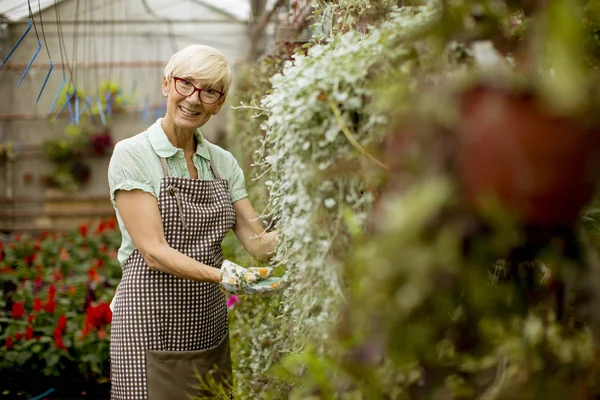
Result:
x=188 y=112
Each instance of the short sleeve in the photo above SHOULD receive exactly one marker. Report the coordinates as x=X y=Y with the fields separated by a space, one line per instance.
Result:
x=127 y=171
x=236 y=181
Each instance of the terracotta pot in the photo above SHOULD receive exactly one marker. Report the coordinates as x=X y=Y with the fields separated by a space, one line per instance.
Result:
x=541 y=168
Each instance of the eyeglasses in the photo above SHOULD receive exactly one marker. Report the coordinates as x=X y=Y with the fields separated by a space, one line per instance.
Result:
x=186 y=88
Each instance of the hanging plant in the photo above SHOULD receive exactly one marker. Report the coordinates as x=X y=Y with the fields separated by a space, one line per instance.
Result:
x=68 y=176
x=7 y=151
x=71 y=145
x=73 y=95
x=112 y=98
x=320 y=155
x=101 y=142
x=68 y=152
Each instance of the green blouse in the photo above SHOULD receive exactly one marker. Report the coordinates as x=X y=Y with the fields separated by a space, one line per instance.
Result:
x=135 y=164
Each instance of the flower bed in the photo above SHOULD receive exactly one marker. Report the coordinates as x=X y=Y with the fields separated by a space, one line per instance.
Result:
x=54 y=296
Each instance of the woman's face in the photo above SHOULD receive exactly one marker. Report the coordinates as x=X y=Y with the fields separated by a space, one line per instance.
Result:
x=187 y=112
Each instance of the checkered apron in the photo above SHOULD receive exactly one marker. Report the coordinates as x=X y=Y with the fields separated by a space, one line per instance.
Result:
x=157 y=311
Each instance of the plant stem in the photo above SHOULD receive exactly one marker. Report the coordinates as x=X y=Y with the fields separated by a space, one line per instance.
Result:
x=350 y=136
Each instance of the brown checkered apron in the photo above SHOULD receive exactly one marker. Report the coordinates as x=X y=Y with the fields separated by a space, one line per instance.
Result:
x=165 y=328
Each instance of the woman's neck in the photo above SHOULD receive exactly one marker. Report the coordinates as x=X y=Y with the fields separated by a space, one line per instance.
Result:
x=181 y=138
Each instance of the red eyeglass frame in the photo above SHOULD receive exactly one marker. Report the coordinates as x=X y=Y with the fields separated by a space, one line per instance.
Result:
x=196 y=89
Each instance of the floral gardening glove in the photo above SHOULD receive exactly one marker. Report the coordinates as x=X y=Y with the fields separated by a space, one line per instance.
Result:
x=240 y=280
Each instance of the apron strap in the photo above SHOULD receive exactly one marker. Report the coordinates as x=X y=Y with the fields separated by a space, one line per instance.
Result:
x=163 y=162
x=212 y=166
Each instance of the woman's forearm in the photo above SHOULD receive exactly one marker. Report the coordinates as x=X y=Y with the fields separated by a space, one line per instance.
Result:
x=263 y=246
x=166 y=259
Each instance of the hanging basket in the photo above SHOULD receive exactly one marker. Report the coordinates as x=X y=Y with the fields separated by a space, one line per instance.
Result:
x=539 y=167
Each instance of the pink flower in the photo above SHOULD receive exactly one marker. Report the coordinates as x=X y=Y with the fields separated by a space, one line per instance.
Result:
x=232 y=301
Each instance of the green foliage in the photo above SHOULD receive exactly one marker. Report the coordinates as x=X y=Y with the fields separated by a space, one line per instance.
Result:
x=72 y=144
x=7 y=151
x=69 y=151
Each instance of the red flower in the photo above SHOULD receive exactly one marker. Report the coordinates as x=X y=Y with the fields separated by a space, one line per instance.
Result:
x=28 y=333
x=9 y=343
x=37 y=246
x=103 y=248
x=5 y=270
x=96 y=317
x=83 y=230
x=101 y=227
x=18 y=336
x=30 y=318
x=99 y=262
x=57 y=333
x=59 y=343
x=37 y=304
x=18 y=310
x=51 y=292
x=93 y=274
x=50 y=306
x=57 y=275
x=86 y=329
x=62 y=323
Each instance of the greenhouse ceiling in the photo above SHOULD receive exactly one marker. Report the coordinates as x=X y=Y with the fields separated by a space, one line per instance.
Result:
x=17 y=10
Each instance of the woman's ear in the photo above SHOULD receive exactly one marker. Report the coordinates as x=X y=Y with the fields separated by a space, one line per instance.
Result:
x=165 y=86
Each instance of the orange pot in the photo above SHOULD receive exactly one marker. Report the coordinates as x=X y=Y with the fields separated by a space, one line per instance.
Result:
x=539 y=167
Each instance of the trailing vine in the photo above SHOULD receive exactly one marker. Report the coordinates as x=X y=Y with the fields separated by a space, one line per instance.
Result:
x=322 y=126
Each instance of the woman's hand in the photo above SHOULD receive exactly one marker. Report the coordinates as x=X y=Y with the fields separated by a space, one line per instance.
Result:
x=240 y=280
x=140 y=214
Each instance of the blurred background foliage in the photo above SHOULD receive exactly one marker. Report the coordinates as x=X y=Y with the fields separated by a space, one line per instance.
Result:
x=470 y=268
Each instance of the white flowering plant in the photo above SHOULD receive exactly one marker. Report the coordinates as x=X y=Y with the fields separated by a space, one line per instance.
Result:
x=323 y=131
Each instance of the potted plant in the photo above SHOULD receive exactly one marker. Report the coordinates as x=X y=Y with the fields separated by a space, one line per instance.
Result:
x=541 y=167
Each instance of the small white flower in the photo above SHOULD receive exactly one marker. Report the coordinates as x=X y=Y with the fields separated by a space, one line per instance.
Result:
x=271 y=159
x=330 y=203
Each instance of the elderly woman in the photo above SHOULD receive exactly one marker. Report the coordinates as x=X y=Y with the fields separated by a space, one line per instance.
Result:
x=176 y=195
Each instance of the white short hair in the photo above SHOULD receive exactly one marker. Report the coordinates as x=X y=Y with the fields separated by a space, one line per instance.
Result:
x=203 y=63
